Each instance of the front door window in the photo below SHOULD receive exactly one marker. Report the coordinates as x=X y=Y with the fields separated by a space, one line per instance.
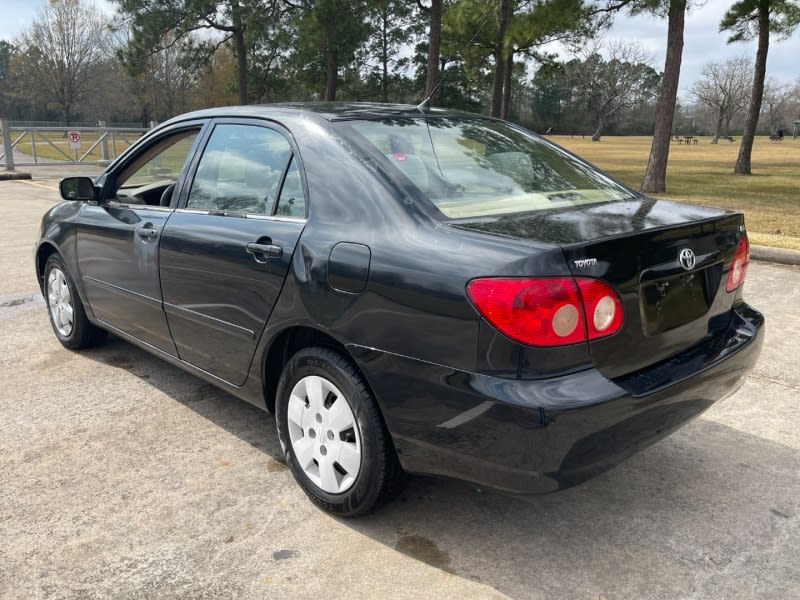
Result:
x=151 y=178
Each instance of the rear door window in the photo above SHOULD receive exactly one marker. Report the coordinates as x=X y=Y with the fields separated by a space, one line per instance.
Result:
x=292 y=202
x=241 y=170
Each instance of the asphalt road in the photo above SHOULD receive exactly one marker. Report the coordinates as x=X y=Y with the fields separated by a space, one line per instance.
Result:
x=123 y=477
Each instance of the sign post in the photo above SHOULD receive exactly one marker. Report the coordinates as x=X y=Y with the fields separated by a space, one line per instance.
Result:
x=74 y=138
x=8 y=149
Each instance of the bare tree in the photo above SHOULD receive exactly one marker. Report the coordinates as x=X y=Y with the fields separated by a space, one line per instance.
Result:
x=778 y=102
x=170 y=76
x=160 y=89
x=724 y=88
x=66 y=40
x=794 y=107
x=607 y=87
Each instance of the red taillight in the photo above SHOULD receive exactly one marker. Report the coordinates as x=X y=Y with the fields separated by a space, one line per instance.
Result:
x=548 y=311
x=739 y=265
x=603 y=307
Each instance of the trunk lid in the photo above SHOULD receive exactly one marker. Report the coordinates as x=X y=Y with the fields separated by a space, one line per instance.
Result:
x=636 y=246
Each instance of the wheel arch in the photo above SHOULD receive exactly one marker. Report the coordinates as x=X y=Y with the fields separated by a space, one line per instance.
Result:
x=45 y=250
x=288 y=343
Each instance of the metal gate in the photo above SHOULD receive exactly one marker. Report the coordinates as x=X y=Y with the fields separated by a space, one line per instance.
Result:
x=28 y=146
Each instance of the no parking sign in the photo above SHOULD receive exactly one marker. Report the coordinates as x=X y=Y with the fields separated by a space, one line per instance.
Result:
x=74 y=138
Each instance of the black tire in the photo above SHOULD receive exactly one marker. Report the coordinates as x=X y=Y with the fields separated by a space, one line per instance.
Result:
x=379 y=475
x=81 y=333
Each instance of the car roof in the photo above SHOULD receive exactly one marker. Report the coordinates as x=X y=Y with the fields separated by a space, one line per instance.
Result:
x=331 y=111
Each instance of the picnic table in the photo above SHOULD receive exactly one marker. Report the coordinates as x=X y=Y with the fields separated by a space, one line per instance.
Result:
x=689 y=139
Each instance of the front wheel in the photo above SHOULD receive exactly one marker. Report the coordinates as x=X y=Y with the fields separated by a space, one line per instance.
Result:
x=67 y=316
x=336 y=443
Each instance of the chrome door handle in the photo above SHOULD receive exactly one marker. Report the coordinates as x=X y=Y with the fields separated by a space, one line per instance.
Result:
x=146 y=232
x=266 y=251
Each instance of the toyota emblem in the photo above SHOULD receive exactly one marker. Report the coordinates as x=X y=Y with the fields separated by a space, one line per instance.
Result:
x=686 y=258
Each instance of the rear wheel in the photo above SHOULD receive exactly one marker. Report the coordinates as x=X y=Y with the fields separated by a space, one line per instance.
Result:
x=67 y=316
x=336 y=443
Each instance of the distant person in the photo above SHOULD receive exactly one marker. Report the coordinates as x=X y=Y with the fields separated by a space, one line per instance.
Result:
x=549 y=131
x=780 y=134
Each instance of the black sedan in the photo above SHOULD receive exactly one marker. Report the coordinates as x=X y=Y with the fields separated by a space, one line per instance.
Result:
x=407 y=290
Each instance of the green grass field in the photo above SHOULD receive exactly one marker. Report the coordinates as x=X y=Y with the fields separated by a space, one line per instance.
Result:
x=703 y=174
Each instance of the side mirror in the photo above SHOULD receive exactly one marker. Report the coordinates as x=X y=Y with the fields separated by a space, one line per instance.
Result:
x=77 y=188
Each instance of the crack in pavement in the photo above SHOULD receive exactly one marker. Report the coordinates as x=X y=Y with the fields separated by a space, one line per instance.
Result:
x=17 y=300
x=765 y=378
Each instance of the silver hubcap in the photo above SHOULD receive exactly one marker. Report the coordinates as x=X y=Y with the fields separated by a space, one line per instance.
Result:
x=60 y=302
x=324 y=434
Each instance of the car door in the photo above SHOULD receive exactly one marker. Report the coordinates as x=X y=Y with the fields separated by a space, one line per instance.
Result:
x=118 y=237
x=225 y=253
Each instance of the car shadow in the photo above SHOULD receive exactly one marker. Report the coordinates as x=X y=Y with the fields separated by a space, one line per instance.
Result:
x=247 y=422
x=710 y=511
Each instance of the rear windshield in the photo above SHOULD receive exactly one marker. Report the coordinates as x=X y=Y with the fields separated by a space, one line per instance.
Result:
x=479 y=168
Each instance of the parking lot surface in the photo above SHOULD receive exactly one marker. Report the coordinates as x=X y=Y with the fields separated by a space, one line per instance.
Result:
x=123 y=477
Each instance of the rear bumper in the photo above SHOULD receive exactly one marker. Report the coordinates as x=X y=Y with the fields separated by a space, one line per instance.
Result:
x=535 y=436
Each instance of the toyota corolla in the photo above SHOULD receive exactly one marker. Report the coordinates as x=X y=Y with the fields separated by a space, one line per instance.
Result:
x=408 y=291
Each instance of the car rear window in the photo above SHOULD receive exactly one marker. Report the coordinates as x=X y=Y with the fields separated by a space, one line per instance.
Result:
x=479 y=167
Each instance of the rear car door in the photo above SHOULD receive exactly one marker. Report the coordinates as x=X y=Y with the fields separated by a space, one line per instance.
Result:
x=225 y=253
x=118 y=237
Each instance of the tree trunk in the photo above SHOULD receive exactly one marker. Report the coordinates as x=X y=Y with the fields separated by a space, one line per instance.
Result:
x=241 y=51
x=434 y=50
x=759 y=72
x=64 y=98
x=507 y=75
x=500 y=62
x=496 y=106
x=718 y=129
x=385 y=56
x=332 y=76
x=598 y=133
x=656 y=174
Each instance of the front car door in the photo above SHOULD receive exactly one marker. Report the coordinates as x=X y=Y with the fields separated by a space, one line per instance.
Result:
x=225 y=253
x=118 y=237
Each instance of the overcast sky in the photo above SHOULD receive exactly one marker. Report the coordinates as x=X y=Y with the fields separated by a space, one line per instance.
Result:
x=703 y=42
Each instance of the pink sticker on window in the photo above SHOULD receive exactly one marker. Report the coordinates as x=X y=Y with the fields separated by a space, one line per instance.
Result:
x=399 y=156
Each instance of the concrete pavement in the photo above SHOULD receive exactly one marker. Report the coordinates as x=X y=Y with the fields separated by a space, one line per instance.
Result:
x=123 y=477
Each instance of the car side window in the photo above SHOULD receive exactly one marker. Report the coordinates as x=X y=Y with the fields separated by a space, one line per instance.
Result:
x=240 y=170
x=292 y=202
x=151 y=177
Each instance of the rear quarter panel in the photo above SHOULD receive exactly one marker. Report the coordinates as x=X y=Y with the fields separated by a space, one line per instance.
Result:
x=414 y=303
